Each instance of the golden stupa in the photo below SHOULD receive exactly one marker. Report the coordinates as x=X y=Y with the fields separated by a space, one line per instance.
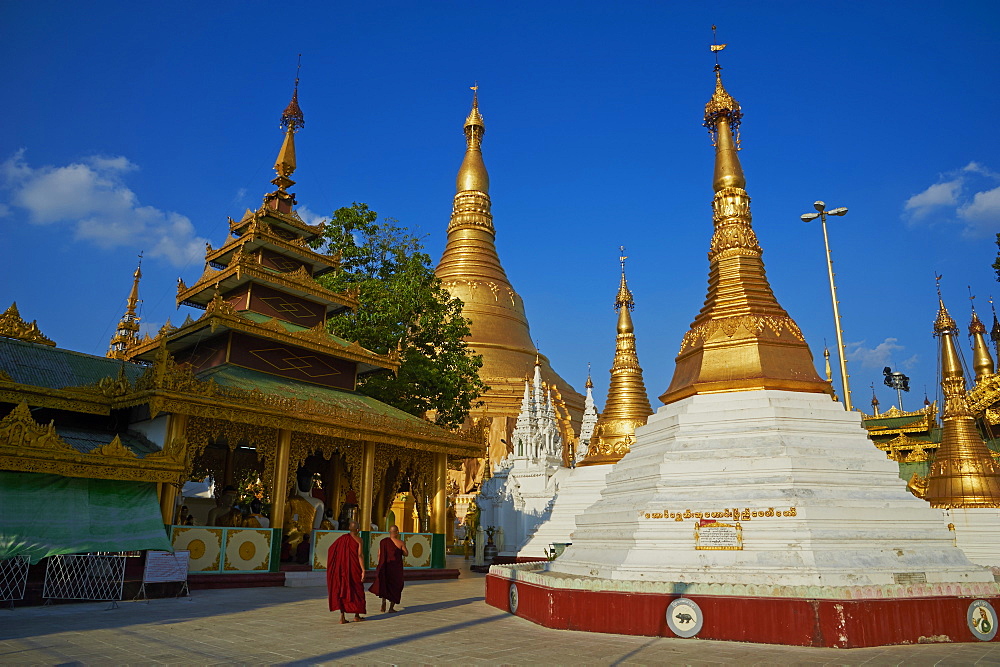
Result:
x=470 y=270
x=742 y=339
x=627 y=406
x=963 y=473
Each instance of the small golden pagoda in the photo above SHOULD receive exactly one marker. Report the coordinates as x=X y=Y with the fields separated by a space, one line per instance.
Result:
x=627 y=406
x=470 y=270
x=742 y=339
x=963 y=473
x=127 y=333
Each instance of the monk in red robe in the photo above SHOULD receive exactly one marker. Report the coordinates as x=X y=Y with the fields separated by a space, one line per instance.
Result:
x=345 y=574
x=389 y=573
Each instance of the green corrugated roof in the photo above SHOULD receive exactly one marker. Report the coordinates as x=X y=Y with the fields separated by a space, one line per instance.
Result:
x=248 y=380
x=87 y=440
x=55 y=368
x=291 y=328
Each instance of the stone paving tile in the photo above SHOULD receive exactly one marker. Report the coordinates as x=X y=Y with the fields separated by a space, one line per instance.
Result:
x=441 y=623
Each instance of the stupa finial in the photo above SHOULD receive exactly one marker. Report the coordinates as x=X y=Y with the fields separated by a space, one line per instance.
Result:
x=127 y=332
x=291 y=122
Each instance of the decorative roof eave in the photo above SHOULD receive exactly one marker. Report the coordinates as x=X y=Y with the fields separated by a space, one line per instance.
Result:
x=220 y=314
x=291 y=219
x=984 y=395
x=245 y=268
x=171 y=387
x=259 y=232
x=87 y=400
x=12 y=326
x=27 y=446
x=299 y=416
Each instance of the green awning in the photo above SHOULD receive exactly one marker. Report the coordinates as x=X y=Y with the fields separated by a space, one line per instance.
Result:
x=43 y=515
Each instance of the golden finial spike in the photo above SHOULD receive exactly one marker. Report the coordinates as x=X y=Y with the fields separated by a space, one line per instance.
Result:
x=627 y=406
x=127 y=332
x=982 y=360
x=472 y=175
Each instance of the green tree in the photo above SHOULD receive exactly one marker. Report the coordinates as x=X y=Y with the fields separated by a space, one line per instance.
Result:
x=402 y=306
x=996 y=264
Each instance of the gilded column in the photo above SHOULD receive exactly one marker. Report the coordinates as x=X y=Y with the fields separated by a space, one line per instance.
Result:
x=439 y=504
x=963 y=473
x=367 y=484
x=176 y=437
x=742 y=339
x=336 y=485
x=279 y=478
x=627 y=406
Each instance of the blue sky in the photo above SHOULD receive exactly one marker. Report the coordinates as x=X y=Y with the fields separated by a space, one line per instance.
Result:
x=132 y=126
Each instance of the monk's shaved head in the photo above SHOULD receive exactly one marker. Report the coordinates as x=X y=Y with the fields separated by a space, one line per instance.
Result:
x=394 y=530
x=353 y=526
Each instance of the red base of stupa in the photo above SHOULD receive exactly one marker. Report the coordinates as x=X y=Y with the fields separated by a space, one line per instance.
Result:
x=790 y=621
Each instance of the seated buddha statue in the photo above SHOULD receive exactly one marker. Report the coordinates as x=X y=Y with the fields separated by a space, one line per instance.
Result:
x=303 y=512
x=224 y=514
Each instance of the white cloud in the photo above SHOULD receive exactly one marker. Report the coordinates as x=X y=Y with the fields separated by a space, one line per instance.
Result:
x=879 y=356
x=310 y=217
x=92 y=196
x=968 y=196
x=940 y=194
x=982 y=214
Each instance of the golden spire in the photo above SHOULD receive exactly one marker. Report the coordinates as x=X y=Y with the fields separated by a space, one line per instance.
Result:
x=627 y=406
x=472 y=175
x=963 y=473
x=875 y=401
x=470 y=267
x=292 y=120
x=742 y=339
x=590 y=383
x=982 y=361
x=127 y=333
x=826 y=359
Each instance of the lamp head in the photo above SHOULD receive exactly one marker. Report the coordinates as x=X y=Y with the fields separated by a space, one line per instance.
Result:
x=809 y=217
x=837 y=211
x=819 y=205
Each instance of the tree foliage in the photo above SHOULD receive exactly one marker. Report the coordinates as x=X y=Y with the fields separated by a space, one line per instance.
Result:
x=402 y=306
x=996 y=264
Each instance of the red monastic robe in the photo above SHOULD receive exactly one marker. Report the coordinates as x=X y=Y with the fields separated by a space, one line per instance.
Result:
x=344 y=576
x=389 y=574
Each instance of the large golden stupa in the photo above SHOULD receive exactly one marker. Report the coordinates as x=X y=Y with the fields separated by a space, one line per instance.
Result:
x=470 y=270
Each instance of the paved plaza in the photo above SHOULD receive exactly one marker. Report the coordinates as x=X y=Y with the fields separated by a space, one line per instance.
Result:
x=440 y=622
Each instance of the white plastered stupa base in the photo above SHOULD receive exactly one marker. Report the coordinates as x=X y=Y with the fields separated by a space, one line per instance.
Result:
x=854 y=522
x=977 y=533
x=580 y=489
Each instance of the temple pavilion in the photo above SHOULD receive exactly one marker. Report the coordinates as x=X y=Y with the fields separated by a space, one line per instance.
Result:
x=470 y=270
x=252 y=387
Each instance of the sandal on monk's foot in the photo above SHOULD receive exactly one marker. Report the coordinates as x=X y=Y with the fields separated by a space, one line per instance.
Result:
x=359 y=618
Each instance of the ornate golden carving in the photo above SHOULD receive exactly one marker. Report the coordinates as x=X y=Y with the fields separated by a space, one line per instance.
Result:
x=12 y=326
x=27 y=446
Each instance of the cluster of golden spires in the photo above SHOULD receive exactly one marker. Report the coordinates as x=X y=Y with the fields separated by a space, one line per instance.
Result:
x=742 y=339
x=963 y=473
x=12 y=326
x=627 y=405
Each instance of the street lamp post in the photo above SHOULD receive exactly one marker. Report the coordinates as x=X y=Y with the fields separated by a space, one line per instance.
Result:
x=809 y=217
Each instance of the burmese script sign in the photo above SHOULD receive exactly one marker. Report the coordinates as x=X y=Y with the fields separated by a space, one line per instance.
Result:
x=164 y=566
x=716 y=536
x=733 y=514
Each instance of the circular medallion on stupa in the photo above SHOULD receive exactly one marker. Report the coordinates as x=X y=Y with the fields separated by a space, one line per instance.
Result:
x=982 y=618
x=684 y=617
x=513 y=598
x=204 y=545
